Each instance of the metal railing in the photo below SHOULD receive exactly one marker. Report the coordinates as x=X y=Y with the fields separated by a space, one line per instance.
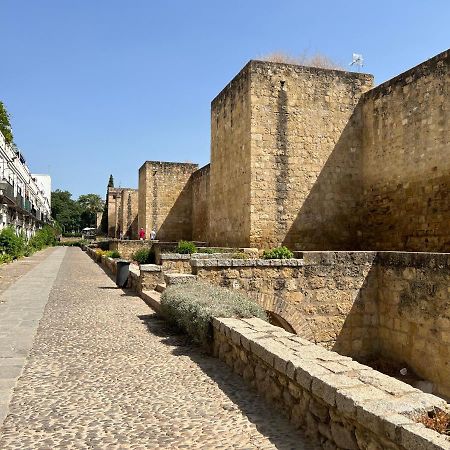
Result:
x=7 y=191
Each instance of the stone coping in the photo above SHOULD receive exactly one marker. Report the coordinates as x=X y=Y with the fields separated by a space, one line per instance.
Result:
x=228 y=262
x=175 y=256
x=376 y=401
x=150 y=268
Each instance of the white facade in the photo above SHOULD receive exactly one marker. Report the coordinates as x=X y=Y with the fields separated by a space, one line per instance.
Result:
x=25 y=198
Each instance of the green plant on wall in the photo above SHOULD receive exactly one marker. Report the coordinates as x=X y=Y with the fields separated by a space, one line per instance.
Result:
x=278 y=253
x=186 y=247
x=5 y=124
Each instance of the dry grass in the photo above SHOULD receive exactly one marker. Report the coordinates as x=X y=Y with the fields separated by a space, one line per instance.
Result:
x=437 y=420
x=317 y=60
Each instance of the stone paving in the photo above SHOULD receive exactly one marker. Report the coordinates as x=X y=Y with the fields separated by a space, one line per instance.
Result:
x=105 y=373
x=21 y=307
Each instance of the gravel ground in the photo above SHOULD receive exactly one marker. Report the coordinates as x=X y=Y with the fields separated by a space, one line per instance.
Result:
x=106 y=373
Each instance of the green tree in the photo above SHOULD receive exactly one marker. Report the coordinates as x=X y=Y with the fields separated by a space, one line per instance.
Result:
x=90 y=205
x=111 y=181
x=66 y=211
x=5 y=124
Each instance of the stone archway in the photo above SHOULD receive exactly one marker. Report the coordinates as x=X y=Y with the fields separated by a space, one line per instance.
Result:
x=278 y=321
x=285 y=314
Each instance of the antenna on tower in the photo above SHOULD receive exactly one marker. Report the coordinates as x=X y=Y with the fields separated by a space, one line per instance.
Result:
x=357 y=60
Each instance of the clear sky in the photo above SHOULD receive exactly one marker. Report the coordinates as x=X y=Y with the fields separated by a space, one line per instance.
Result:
x=99 y=86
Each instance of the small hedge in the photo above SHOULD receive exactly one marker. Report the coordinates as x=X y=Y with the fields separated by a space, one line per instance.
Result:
x=192 y=306
x=112 y=254
x=186 y=247
x=278 y=253
x=144 y=256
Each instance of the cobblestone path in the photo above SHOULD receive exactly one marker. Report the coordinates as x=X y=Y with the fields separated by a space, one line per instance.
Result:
x=105 y=373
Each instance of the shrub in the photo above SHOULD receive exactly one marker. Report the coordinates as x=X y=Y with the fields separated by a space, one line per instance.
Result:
x=240 y=255
x=5 y=258
x=278 y=253
x=11 y=244
x=44 y=237
x=29 y=250
x=112 y=254
x=144 y=256
x=207 y=250
x=186 y=247
x=192 y=306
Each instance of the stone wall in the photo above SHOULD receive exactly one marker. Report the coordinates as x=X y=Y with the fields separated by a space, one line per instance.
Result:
x=326 y=297
x=175 y=262
x=126 y=248
x=366 y=305
x=200 y=181
x=406 y=163
x=165 y=199
x=229 y=209
x=113 y=199
x=339 y=402
x=128 y=218
x=414 y=313
x=305 y=160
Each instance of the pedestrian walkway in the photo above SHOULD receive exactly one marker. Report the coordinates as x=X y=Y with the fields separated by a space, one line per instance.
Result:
x=105 y=373
x=21 y=307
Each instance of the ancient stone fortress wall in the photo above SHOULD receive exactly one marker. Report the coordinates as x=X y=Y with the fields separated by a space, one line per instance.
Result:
x=406 y=160
x=128 y=217
x=361 y=304
x=165 y=199
x=305 y=164
x=200 y=181
x=112 y=197
x=230 y=179
x=332 y=163
x=339 y=402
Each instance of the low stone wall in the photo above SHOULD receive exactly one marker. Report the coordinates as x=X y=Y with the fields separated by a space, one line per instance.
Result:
x=326 y=297
x=339 y=402
x=414 y=313
x=150 y=276
x=128 y=248
x=393 y=305
x=175 y=262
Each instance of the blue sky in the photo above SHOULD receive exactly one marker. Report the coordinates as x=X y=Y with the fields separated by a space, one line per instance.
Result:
x=99 y=86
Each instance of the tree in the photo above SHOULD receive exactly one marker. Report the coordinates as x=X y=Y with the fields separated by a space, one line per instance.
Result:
x=66 y=211
x=90 y=205
x=111 y=181
x=5 y=124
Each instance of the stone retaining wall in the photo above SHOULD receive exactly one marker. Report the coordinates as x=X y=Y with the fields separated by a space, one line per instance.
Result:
x=393 y=305
x=128 y=248
x=326 y=297
x=339 y=402
x=150 y=276
x=414 y=313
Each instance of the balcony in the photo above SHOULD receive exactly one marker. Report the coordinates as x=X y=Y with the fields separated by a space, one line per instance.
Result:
x=7 y=192
x=27 y=205
x=20 y=201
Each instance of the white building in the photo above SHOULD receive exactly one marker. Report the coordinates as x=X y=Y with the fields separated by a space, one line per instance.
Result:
x=24 y=197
